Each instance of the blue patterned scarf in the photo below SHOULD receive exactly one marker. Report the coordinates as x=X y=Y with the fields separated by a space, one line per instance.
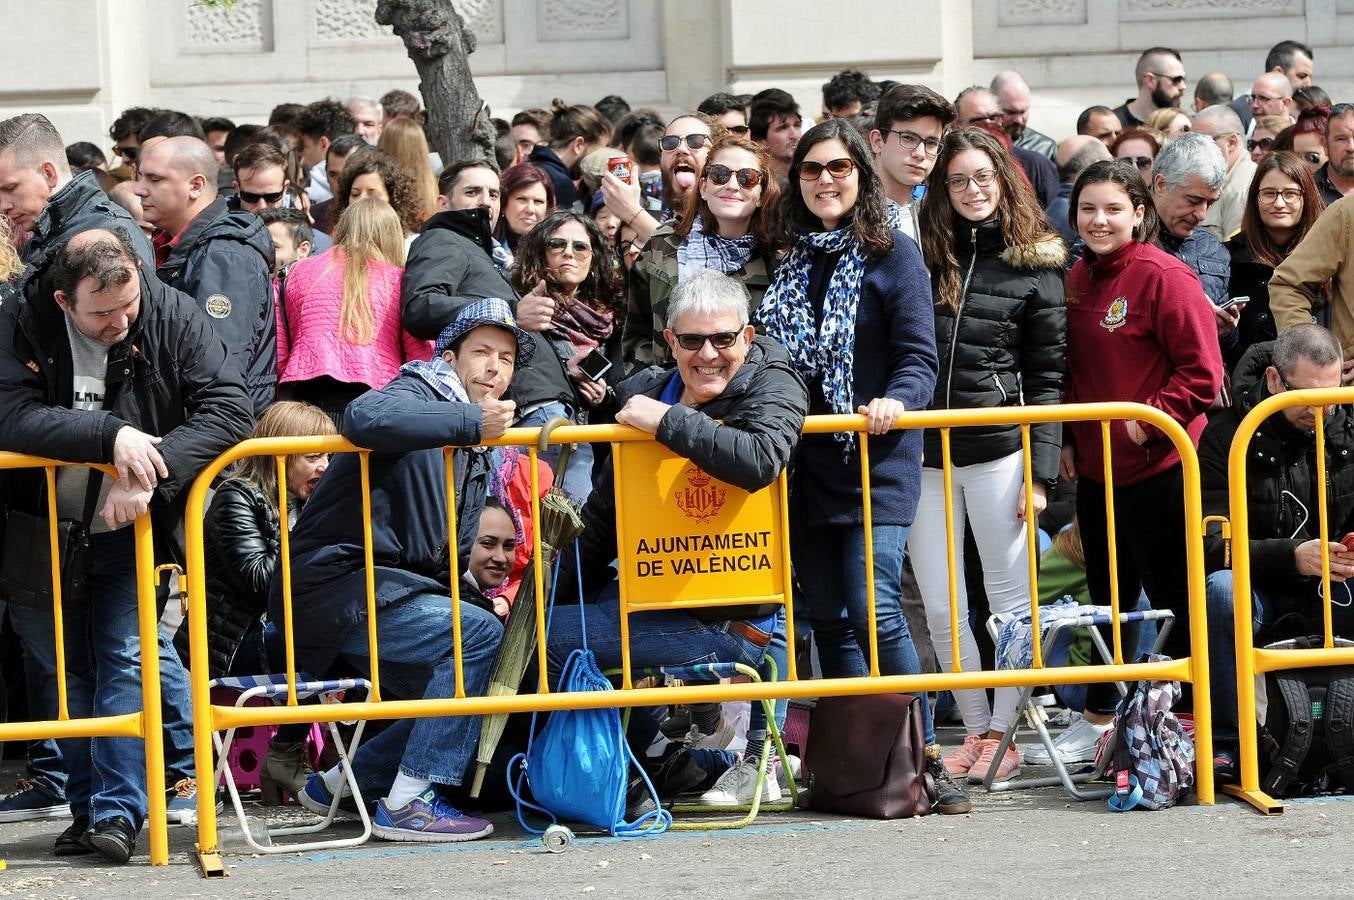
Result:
x=827 y=352
x=438 y=375
x=712 y=251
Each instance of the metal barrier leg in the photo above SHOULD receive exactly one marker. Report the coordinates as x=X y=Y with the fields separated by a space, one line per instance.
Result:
x=152 y=723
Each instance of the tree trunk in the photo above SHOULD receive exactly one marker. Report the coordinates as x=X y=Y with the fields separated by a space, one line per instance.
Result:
x=440 y=45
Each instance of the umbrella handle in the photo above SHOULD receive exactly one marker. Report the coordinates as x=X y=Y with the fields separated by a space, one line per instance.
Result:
x=542 y=441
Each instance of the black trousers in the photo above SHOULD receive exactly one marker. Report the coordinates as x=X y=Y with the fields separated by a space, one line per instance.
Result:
x=1149 y=523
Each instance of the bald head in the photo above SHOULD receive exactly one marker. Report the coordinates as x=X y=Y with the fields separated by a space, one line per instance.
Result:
x=1077 y=153
x=1271 y=95
x=176 y=180
x=1212 y=89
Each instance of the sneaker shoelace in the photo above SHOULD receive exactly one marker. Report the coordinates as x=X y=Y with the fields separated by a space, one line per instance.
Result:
x=185 y=787
x=21 y=785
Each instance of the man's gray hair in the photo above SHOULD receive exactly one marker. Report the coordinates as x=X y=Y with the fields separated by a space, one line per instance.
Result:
x=709 y=293
x=1190 y=156
x=1307 y=341
x=34 y=140
x=367 y=102
x=1224 y=117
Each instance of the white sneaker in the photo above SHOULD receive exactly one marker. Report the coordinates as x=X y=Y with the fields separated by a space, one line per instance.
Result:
x=722 y=736
x=782 y=776
x=735 y=787
x=1075 y=745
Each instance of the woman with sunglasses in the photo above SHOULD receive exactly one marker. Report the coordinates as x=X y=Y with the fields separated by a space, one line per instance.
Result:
x=564 y=266
x=851 y=303
x=1170 y=123
x=1281 y=207
x=1263 y=133
x=1139 y=330
x=1137 y=147
x=1307 y=137
x=728 y=224
x=1001 y=330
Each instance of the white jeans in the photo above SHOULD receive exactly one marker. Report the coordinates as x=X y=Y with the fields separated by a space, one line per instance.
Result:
x=986 y=496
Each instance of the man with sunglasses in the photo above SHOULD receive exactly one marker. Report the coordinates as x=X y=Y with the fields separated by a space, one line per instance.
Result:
x=1161 y=84
x=1281 y=494
x=909 y=122
x=221 y=258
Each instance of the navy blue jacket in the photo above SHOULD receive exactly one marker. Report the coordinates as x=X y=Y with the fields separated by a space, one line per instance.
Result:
x=224 y=260
x=895 y=357
x=78 y=206
x=1204 y=254
x=566 y=194
x=405 y=424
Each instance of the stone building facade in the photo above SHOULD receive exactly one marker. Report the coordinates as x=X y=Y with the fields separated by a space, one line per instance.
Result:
x=80 y=61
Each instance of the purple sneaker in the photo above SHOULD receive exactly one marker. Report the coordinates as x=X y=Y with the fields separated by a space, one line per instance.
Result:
x=427 y=818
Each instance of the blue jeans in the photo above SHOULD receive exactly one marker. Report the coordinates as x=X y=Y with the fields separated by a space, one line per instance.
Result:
x=1222 y=650
x=415 y=646
x=577 y=480
x=107 y=776
x=830 y=563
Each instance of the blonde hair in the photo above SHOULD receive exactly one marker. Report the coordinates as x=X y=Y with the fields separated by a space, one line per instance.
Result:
x=1068 y=543
x=369 y=229
x=403 y=139
x=10 y=264
x=1160 y=120
x=286 y=418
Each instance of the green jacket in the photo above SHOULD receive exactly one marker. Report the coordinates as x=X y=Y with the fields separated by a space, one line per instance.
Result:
x=650 y=286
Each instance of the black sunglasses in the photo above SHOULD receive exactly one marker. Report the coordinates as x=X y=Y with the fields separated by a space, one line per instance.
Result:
x=581 y=248
x=720 y=340
x=671 y=142
x=739 y=130
x=837 y=168
x=720 y=175
x=1262 y=144
x=1144 y=163
x=271 y=197
x=1177 y=80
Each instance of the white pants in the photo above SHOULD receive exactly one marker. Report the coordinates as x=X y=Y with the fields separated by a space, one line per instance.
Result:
x=985 y=495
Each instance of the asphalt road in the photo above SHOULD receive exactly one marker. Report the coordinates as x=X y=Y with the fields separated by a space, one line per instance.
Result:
x=1030 y=843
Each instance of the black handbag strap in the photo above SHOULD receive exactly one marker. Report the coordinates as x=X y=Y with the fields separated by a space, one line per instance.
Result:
x=1298 y=741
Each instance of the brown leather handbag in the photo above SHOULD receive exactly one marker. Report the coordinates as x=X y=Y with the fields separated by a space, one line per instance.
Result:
x=867 y=757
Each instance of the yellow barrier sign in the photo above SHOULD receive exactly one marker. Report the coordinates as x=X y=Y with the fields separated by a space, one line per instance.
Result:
x=685 y=537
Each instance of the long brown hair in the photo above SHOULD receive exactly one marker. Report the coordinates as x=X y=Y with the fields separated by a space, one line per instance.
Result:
x=286 y=418
x=602 y=289
x=868 y=219
x=367 y=230
x=1022 y=221
x=763 y=224
x=403 y=139
x=1263 y=247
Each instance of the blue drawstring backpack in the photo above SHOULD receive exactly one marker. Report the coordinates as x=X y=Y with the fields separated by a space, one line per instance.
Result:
x=578 y=766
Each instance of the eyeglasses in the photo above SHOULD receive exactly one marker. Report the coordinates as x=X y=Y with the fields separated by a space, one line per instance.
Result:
x=1261 y=98
x=628 y=247
x=1262 y=144
x=1290 y=196
x=1177 y=80
x=127 y=153
x=1284 y=381
x=671 y=142
x=740 y=130
x=911 y=141
x=837 y=168
x=271 y=197
x=991 y=117
x=1144 y=163
x=720 y=175
x=982 y=178
x=720 y=340
x=559 y=245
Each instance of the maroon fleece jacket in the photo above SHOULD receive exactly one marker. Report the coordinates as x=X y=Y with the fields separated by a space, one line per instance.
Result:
x=1139 y=328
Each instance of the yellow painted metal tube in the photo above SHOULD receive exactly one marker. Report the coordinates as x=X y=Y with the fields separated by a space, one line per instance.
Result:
x=867 y=518
x=1323 y=519
x=284 y=560
x=788 y=585
x=126 y=725
x=369 y=564
x=1111 y=539
x=538 y=554
x=152 y=723
x=1032 y=549
x=454 y=557
x=58 y=609
x=951 y=565
x=1248 y=659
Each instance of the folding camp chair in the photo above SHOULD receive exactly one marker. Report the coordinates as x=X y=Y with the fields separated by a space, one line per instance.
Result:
x=274 y=687
x=1034 y=712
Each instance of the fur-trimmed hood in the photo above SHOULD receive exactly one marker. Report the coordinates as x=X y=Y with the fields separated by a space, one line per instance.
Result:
x=1049 y=253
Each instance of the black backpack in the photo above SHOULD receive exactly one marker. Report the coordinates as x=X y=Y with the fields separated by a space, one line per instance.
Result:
x=1307 y=741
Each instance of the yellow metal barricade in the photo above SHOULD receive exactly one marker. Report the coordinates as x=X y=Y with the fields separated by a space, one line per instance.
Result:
x=1252 y=662
x=767 y=534
x=146 y=725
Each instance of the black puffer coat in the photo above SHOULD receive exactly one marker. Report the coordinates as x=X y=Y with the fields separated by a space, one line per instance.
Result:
x=1249 y=278
x=1005 y=345
x=243 y=541
x=1280 y=491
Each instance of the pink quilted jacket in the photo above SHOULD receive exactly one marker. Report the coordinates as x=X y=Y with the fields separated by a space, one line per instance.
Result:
x=308 y=340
